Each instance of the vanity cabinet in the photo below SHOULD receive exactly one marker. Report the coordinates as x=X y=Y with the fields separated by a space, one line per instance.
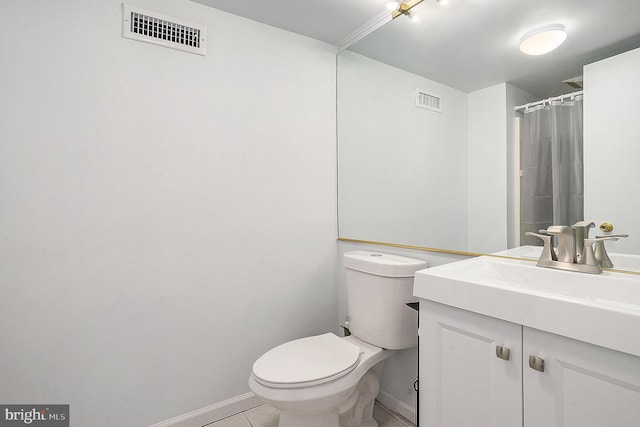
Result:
x=462 y=381
x=468 y=378
x=583 y=385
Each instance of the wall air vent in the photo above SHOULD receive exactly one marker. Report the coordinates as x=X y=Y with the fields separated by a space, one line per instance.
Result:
x=151 y=27
x=428 y=101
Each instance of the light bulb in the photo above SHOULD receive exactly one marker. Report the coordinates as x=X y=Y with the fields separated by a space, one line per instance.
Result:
x=393 y=5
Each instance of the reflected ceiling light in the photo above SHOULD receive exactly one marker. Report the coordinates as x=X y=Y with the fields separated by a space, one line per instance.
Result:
x=404 y=8
x=393 y=5
x=543 y=39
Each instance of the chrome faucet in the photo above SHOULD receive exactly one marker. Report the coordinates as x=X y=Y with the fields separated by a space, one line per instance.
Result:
x=565 y=257
x=581 y=232
x=566 y=243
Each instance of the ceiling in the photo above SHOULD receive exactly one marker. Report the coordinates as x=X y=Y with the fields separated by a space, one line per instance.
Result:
x=465 y=44
x=328 y=20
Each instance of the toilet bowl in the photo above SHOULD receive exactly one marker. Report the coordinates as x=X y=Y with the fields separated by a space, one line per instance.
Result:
x=319 y=397
x=328 y=381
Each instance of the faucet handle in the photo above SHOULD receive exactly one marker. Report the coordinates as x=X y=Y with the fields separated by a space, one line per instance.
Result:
x=600 y=252
x=590 y=257
x=613 y=235
x=547 y=251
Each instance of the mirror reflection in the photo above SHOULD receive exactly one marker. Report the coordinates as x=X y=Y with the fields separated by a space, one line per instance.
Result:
x=431 y=147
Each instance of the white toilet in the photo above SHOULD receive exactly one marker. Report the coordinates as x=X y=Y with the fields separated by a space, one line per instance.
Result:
x=328 y=381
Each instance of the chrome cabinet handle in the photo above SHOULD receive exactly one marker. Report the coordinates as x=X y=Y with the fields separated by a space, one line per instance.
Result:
x=536 y=363
x=503 y=352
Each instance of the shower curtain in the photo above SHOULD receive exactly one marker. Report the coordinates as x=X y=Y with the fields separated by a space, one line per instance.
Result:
x=552 y=185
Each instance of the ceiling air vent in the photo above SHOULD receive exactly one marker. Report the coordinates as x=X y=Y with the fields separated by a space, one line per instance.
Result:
x=428 y=101
x=576 y=82
x=152 y=27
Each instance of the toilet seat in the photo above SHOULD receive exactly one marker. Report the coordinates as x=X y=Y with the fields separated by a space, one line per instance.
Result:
x=306 y=362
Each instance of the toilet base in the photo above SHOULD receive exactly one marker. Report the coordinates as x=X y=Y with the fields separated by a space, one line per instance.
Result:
x=363 y=409
x=358 y=414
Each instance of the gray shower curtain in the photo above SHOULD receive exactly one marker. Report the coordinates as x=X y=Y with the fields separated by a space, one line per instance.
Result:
x=552 y=183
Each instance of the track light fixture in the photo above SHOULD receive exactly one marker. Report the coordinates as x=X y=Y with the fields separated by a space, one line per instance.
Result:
x=403 y=8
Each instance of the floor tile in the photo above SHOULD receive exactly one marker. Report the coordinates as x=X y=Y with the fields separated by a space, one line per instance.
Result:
x=387 y=418
x=263 y=416
x=267 y=416
x=238 y=420
x=383 y=418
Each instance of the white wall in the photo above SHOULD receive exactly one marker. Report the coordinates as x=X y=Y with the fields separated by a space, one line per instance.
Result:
x=166 y=217
x=493 y=171
x=487 y=153
x=410 y=183
x=612 y=148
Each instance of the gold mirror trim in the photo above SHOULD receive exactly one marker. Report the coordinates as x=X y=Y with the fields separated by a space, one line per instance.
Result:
x=417 y=248
x=452 y=252
x=613 y=270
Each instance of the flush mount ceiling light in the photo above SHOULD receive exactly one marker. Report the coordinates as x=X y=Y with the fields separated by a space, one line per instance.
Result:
x=543 y=39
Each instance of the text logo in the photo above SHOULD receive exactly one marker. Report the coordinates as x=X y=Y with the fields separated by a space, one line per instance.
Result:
x=34 y=415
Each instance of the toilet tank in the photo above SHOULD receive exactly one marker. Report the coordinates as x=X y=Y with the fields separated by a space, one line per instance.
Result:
x=378 y=288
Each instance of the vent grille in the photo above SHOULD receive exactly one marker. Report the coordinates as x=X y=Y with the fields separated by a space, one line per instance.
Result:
x=428 y=101
x=576 y=82
x=151 y=27
x=164 y=30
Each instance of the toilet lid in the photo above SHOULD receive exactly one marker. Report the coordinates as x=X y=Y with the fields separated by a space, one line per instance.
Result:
x=307 y=361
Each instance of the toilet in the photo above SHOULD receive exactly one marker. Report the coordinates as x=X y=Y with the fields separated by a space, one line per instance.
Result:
x=328 y=381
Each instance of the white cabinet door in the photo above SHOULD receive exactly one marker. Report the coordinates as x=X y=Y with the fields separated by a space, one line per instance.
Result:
x=583 y=385
x=463 y=383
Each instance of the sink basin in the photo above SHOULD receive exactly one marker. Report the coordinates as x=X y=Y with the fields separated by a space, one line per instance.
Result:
x=600 y=309
x=526 y=251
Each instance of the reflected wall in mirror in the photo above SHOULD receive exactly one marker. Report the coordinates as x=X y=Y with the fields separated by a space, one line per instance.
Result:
x=448 y=177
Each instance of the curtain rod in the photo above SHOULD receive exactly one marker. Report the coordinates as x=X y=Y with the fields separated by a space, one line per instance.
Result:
x=549 y=100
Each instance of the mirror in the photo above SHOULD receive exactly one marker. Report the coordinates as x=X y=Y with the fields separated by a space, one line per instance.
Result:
x=443 y=174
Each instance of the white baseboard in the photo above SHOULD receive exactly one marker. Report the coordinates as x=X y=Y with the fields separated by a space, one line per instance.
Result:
x=213 y=413
x=397 y=405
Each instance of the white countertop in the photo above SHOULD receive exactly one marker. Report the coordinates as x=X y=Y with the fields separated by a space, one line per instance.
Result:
x=600 y=309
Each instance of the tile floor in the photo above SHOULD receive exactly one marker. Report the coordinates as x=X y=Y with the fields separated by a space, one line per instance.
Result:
x=266 y=416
